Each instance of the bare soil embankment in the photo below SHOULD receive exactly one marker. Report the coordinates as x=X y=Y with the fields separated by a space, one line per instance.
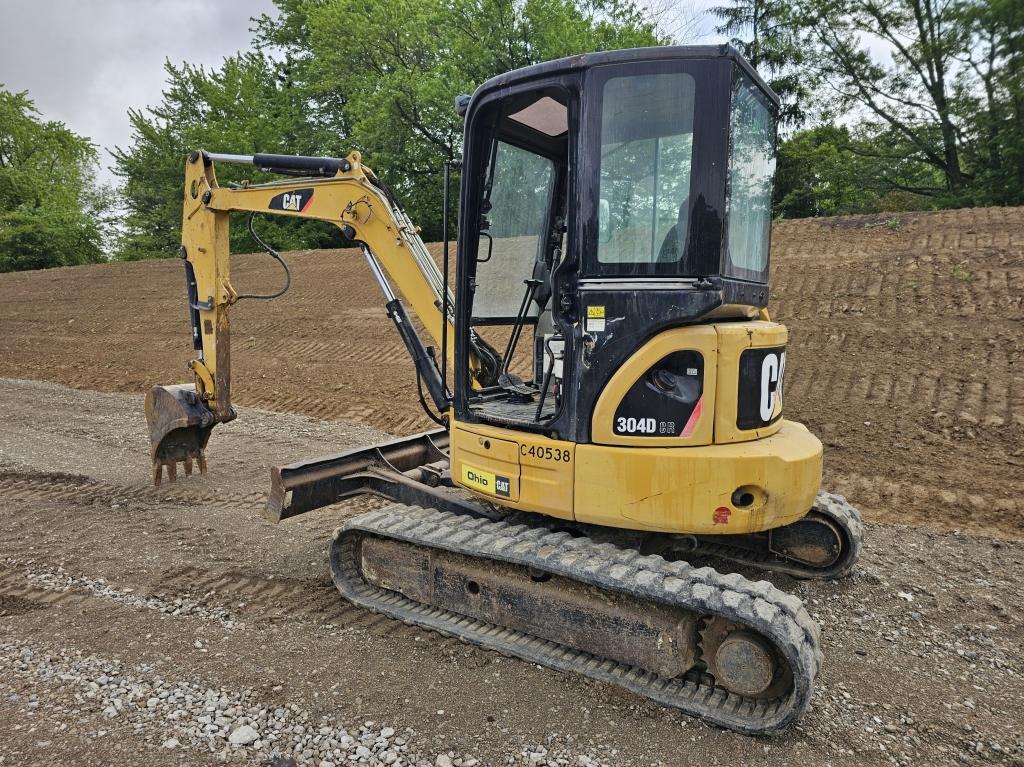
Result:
x=904 y=356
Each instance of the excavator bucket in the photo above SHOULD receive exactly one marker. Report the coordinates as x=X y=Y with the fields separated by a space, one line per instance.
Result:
x=179 y=428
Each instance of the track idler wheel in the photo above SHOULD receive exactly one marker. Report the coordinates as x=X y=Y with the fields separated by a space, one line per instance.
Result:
x=741 y=661
x=813 y=540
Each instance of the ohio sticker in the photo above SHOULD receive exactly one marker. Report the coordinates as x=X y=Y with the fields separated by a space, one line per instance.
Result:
x=486 y=482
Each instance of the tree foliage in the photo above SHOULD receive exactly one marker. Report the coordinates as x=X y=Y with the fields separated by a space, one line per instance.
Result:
x=991 y=100
x=51 y=211
x=760 y=29
x=912 y=94
x=832 y=170
x=388 y=71
x=246 y=106
x=911 y=103
x=931 y=88
x=330 y=76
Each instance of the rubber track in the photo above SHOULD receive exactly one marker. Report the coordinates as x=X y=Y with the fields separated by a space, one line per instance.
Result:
x=779 y=617
x=837 y=509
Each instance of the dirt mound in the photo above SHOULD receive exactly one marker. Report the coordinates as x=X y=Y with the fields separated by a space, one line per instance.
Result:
x=905 y=335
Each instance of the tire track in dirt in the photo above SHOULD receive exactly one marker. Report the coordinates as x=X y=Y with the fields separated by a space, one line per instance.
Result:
x=46 y=587
x=233 y=597
x=255 y=597
x=16 y=589
x=890 y=498
x=991 y=399
x=27 y=486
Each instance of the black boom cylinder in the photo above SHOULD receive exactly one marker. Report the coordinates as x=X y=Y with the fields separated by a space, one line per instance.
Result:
x=293 y=165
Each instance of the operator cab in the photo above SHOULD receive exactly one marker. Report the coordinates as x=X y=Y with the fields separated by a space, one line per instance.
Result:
x=605 y=198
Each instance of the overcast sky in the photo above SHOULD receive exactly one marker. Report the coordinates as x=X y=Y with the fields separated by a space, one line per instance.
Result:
x=86 y=62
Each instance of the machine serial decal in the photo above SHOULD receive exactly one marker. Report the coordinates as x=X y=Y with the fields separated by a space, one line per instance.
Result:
x=296 y=201
x=545 y=453
x=636 y=425
x=486 y=481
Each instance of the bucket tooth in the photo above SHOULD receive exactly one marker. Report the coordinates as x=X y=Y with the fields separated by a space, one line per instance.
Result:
x=188 y=464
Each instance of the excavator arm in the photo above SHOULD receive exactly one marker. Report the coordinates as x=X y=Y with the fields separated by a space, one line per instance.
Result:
x=343 y=192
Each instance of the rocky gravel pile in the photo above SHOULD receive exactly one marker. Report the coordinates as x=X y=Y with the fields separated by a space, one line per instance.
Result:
x=232 y=724
x=60 y=581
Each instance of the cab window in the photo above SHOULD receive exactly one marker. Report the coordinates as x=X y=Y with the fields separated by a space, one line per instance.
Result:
x=646 y=158
x=751 y=169
x=519 y=192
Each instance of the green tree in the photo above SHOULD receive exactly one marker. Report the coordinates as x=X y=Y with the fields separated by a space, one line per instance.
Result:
x=51 y=211
x=935 y=90
x=990 y=100
x=832 y=170
x=389 y=70
x=912 y=95
x=812 y=176
x=378 y=76
x=248 y=105
x=762 y=31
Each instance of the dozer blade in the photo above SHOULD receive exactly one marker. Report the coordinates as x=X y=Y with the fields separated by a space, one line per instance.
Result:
x=179 y=428
x=411 y=470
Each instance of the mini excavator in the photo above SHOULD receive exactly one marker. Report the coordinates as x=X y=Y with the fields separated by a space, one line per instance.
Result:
x=616 y=207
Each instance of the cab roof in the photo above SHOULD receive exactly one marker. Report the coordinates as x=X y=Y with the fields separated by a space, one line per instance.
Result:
x=582 y=61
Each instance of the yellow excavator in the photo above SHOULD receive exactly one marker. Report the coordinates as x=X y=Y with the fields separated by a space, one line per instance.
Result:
x=616 y=206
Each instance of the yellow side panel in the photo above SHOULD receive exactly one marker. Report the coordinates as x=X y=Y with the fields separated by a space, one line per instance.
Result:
x=485 y=464
x=701 y=338
x=540 y=470
x=733 y=338
x=690 y=489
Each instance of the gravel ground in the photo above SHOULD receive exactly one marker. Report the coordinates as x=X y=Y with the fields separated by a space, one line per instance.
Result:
x=231 y=724
x=176 y=626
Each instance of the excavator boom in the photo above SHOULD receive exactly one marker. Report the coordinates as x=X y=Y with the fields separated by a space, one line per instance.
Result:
x=343 y=192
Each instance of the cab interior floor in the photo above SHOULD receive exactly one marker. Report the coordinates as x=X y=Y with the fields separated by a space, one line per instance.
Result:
x=522 y=412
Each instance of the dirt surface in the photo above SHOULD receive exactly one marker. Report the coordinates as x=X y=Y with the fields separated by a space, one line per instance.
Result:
x=904 y=355
x=129 y=613
x=143 y=625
